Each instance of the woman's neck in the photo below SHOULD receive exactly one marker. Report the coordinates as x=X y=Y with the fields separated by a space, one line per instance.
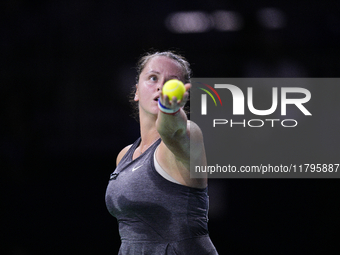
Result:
x=148 y=131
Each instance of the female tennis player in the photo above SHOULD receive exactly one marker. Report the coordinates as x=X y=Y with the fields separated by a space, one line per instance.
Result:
x=159 y=208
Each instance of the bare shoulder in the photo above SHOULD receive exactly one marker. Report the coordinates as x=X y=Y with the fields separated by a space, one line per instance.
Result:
x=195 y=133
x=122 y=153
x=193 y=128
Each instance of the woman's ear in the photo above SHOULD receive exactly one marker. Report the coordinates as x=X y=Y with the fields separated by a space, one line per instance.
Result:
x=136 y=98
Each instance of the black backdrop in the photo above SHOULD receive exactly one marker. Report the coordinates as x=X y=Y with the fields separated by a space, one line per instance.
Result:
x=66 y=72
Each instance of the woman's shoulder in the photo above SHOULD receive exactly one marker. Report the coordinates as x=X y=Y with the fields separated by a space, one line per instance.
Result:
x=194 y=130
x=122 y=153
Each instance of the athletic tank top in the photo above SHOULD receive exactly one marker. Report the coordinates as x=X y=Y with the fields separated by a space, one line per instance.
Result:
x=156 y=216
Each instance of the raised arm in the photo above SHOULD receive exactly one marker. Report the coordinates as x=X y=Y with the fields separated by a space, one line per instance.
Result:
x=176 y=133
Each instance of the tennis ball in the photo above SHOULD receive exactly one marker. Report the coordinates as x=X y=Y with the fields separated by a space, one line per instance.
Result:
x=174 y=88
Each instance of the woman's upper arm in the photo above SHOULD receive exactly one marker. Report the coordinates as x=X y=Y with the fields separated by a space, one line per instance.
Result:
x=180 y=146
x=197 y=151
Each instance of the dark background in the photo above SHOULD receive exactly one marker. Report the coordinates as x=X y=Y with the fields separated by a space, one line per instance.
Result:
x=66 y=71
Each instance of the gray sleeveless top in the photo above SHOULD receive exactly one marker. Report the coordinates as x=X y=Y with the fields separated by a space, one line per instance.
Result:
x=156 y=216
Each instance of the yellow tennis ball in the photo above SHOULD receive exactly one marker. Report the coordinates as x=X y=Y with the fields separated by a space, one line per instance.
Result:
x=174 y=88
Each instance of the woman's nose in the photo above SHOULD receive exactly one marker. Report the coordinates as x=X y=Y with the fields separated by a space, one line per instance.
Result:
x=160 y=85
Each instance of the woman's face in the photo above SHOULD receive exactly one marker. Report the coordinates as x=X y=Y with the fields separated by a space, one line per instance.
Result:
x=156 y=72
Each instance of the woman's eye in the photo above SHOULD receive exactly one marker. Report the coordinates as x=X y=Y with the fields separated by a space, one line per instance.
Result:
x=153 y=78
